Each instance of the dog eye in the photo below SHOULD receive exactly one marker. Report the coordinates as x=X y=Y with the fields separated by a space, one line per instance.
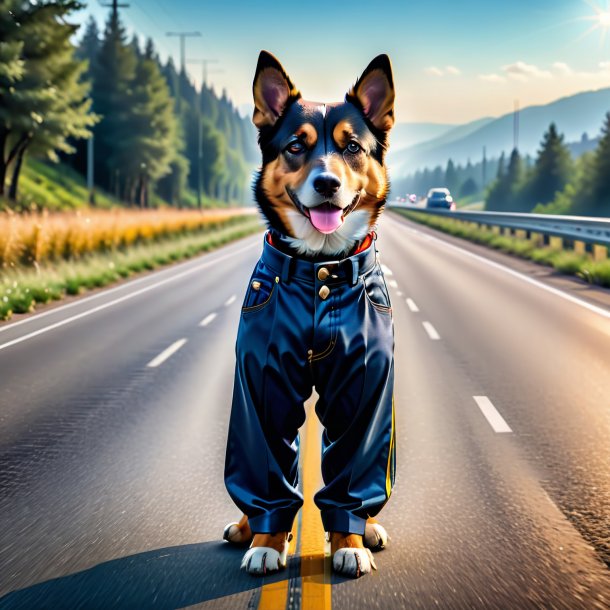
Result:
x=353 y=147
x=295 y=147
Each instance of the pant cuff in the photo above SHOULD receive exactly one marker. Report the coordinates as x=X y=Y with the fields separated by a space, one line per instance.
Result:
x=272 y=522
x=338 y=520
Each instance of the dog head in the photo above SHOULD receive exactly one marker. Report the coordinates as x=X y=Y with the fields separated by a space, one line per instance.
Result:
x=323 y=182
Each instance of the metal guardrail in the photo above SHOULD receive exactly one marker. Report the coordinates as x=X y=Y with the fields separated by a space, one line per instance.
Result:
x=589 y=230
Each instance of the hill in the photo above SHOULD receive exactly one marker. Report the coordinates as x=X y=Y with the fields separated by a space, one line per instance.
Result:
x=573 y=115
x=404 y=135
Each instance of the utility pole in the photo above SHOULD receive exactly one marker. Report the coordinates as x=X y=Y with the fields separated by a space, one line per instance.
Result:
x=183 y=36
x=90 y=186
x=204 y=73
x=516 y=126
x=115 y=6
x=204 y=76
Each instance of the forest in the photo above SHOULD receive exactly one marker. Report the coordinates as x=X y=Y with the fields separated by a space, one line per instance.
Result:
x=153 y=136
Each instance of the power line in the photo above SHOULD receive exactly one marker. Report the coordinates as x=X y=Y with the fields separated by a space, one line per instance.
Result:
x=167 y=13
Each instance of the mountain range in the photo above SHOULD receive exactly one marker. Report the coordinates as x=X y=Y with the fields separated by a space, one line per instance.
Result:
x=574 y=116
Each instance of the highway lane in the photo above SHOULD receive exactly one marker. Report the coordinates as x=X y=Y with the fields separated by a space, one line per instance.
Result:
x=111 y=471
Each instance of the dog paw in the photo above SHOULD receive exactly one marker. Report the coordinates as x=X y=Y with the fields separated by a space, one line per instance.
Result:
x=263 y=560
x=353 y=562
x=375 y=537
x=235 y=534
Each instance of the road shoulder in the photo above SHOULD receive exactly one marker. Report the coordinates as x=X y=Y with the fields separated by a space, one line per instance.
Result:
x=595 y=295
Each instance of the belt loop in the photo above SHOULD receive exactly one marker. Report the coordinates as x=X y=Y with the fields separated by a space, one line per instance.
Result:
x=286 y=269
x=355 y=268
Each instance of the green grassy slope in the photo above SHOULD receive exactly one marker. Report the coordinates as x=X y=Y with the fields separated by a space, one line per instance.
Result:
x=59 y=187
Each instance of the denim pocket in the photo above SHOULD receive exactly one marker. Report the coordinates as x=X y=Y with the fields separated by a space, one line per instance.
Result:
x=376 y=290
x=259 y=293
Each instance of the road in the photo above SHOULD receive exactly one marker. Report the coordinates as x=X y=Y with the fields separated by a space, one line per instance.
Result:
x=113 y=419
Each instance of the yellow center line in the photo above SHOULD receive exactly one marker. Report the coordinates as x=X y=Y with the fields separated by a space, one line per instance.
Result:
x=315 y=552
x=315 y=556
x=275 y=594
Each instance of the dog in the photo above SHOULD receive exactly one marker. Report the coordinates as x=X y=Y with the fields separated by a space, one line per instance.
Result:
x=316 y=313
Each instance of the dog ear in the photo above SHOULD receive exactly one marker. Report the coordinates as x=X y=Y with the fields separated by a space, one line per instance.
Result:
x=374 y=93
x=273 y=90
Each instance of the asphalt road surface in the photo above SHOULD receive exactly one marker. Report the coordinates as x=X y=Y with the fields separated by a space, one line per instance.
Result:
x=113 y=419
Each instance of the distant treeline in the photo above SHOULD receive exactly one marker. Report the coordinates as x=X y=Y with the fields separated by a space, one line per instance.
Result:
x=462 y=180
x=556 y=183
x=153 y=132
x=553 y=183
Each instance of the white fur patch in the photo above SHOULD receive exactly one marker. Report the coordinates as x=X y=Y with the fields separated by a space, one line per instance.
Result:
x=353 y=562
x=264 y=559
x=375 y=536
x=309 y=241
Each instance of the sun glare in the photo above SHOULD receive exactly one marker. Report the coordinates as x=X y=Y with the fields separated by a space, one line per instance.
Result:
x=600 y=18
x=604 y=19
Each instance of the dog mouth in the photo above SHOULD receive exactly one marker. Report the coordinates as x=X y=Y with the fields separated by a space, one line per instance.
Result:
x=325 y=217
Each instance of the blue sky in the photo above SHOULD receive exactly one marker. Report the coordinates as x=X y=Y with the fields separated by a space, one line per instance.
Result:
x=453 y=61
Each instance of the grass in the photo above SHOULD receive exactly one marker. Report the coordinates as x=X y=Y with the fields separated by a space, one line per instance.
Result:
x=33 y=239
x=564 y=261
x=23 y=287
x=57 y=186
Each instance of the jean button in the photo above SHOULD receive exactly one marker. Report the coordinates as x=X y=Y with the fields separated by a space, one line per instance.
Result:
x=323 y=273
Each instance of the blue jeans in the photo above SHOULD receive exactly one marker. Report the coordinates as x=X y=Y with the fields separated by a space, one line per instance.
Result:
x=307 y=324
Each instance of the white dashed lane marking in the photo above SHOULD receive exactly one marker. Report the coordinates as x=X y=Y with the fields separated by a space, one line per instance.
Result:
x=208 y=319
x=386 y=270
x=166 y=353
x=412 y=306
x=496 y=421
x=393 y=283
x=112 y=303
x=399 y=294
x=230 y=300
x=431 y=331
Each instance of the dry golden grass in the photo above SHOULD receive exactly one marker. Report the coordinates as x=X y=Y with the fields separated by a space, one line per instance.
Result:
x=37 y=238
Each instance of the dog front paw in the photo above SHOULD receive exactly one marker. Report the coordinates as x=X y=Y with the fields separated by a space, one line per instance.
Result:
x=375 y=537
x=263 y=560
x=353 y=562
x=235 y=534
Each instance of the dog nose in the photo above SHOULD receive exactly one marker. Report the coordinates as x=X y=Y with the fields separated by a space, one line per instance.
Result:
x=326 y=184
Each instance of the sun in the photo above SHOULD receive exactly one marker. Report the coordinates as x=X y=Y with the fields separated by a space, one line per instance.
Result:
x=599 y=18
x=603 y=18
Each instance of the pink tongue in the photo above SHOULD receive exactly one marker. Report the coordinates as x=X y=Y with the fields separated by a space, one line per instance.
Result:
x=326 y=218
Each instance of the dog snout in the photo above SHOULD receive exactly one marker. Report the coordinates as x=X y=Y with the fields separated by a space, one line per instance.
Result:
x=326 y=184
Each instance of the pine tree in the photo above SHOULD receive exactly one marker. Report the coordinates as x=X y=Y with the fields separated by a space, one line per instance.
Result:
x=12 y=66
x=469 y=187
x=551 y=170
x=600 y=179
x=112 y=78
x=147 y=150
x=47 y=104
x=504 y=194
x=90 y=44
x=451 y=176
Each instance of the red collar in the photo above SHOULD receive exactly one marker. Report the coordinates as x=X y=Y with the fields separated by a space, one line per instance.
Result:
x=364 y=244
